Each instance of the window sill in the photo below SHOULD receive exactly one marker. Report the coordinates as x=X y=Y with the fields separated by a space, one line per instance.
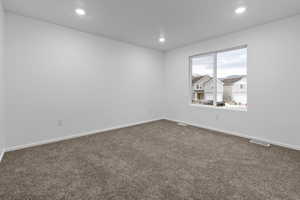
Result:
x=220 y=108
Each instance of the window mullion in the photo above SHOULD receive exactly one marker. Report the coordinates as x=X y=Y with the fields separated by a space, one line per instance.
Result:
x=215 y=79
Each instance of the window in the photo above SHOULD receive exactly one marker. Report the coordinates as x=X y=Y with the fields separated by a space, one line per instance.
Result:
x=202 y=73
x=220 y=78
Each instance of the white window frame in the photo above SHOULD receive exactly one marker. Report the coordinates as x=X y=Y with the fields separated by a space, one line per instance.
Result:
x=215 y=68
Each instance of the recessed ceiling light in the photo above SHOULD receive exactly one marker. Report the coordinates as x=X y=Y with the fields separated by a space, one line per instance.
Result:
x=240 y=10
x=80 y=11
x=161 y=39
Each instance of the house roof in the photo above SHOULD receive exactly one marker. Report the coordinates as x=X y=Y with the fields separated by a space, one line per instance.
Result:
x=227 y=81
x=231 y=80
x=198 y=78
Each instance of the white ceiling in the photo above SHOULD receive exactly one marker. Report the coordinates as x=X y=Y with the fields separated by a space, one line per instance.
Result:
x=142 y=21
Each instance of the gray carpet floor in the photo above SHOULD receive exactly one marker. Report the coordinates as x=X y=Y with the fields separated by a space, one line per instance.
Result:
x=157 y=160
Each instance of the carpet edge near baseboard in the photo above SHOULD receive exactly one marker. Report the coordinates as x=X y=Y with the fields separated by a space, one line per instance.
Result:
x=284 y=145
x=19 y=147
x=73 y=136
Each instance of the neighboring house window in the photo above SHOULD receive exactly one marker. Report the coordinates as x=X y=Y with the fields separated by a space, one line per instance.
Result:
x=223 y=75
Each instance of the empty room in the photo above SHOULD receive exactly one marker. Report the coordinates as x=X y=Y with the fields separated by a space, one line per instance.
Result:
x=149 y=100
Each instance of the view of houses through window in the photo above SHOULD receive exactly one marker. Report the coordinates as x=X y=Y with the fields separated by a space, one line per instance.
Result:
x=220 y=79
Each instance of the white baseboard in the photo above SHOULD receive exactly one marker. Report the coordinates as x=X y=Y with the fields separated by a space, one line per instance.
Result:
x=18 y=147
x=240 y=135
x=14 y=148
x=1 y=155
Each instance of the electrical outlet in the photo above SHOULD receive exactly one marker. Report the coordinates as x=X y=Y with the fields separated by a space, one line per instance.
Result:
x=59 y=122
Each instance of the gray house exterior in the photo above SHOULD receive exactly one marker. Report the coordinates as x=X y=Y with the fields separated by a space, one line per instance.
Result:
x=231 y=90
x=203 y=89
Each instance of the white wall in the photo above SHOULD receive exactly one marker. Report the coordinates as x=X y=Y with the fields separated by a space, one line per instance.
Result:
x=88 y=82
x=273 y=84
x=2 y=131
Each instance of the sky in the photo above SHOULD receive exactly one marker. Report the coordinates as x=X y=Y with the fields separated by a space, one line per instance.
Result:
x=229 y=63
